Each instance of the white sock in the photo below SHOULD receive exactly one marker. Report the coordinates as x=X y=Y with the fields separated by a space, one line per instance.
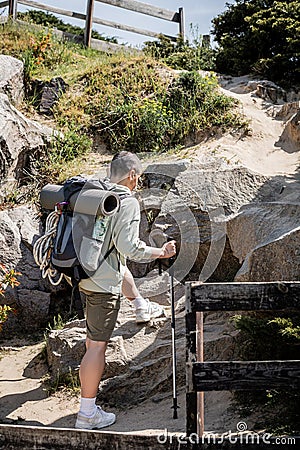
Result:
x=140 y=303
x=88 y=406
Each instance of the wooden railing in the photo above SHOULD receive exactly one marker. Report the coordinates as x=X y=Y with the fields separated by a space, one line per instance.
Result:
x=4 y=4
x=132 y=5
x=233 y=375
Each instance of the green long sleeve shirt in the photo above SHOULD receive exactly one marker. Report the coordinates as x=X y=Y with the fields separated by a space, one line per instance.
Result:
x=123 y=233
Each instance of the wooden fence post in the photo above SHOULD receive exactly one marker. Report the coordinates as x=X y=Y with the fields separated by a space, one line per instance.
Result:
x=12 y=8
x=88 y=23
x=191 y=357
x=200 y=358
x=181 y=22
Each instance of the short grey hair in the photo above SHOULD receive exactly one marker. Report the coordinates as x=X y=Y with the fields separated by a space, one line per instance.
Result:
x=122 y=163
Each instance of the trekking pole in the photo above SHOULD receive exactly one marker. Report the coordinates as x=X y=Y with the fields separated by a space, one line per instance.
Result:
x=157 y=238
x=174 y=362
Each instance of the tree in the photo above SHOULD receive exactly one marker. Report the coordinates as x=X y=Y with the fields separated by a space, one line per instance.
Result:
x=260 y=37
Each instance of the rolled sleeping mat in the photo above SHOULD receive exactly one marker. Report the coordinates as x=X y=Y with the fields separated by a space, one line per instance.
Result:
x=89 y=201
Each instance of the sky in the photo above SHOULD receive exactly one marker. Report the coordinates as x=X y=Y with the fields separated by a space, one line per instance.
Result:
x=197 y=12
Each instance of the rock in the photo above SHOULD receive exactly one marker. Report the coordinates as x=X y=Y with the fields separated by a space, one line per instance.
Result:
x=219 y=185
x=20 y=140
x=161 y=176
x=194 y=213
x=263 y=238
x=283 y=112
x=18 y=228
x=11 y=78
x=33 y=303
x=65 y=349
x=278 y=260
x=116 y=358
x=48 y=93
x=290 y=138
x=270 y=92
x=156 y=287
x=32 y=299
x=260 y=224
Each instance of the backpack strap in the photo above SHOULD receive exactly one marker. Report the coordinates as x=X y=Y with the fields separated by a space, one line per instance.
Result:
x=75 y=295
x=122 y=196
x=76 y=300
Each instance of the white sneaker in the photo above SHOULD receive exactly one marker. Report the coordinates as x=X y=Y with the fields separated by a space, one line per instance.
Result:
x=101 y=419
x=151 y=311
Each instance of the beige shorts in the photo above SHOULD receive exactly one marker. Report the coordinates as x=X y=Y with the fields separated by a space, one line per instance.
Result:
x=101 y=315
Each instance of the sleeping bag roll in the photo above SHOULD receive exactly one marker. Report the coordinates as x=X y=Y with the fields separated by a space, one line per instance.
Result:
x=87 y=201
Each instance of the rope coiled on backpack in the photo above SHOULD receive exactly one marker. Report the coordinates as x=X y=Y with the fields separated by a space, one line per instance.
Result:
x=42 y=250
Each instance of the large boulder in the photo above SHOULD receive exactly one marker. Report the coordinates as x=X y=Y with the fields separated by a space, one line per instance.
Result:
x=194 y=213
x=278 y=260
x=268 y=90
x=20 y=140
x=264 y=239
x=65 y=348
x=11 y=78
x=260 y=224
x=290 y=138
x=32 y=299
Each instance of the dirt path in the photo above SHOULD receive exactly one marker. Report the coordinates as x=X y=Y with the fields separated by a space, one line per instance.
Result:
x=260 y=151
x=22 y=391
x=24 y=400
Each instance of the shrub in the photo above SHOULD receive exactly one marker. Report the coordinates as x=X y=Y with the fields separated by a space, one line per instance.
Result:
x=8 y=278
x=265 y=337
x=139 y=105
x=183 y=54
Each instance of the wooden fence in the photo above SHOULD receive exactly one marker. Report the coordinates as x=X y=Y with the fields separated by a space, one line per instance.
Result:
x=233 y=375
x=131 y=5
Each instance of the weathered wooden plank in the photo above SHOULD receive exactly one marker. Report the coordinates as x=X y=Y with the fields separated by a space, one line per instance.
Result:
x=245 y=375
x=108 y=47
x=144 y=8
x=63 y=12
x=3 y=4
x=120 y=26
x=16 y=437
x=13 y=437
x=245 y=296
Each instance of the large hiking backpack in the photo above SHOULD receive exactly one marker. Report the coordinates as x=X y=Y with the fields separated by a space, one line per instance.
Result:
x=72 y=244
